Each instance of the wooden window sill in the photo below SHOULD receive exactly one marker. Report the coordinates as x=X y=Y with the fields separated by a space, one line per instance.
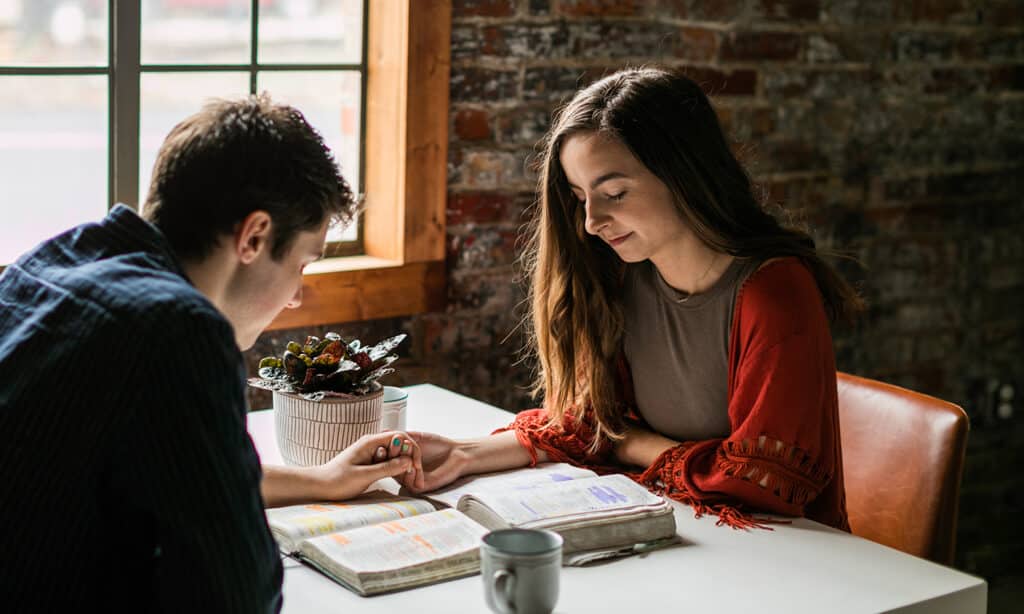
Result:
x=365 y=288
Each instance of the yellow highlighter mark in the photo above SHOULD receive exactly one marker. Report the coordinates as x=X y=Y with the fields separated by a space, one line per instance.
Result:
x=316 y=524
x=340 y=539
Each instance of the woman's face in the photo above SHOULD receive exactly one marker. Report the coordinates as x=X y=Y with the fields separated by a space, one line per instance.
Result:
x=626 y=205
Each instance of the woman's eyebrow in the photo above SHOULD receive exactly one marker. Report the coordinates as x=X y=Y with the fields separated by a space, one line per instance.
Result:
x=602 y=179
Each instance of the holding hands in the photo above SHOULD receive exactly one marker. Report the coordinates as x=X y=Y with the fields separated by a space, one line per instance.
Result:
x=372 y=457
x=391 y=454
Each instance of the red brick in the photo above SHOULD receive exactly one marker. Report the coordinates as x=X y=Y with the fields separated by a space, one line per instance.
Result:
x=555 y=83
x=791 y=10
x=761 y=46
x=478 y=207
x=1003 y=12
x=483 y=8
x=792 y=155
x=957 y=80
x=472 y=84
x=697 y=44
x=482 y=247
x=719 y=83
x=932 y=11
x=1008 y=78
x=601 y=8
x=472 y=125
x=717 y=11
x=523 y=125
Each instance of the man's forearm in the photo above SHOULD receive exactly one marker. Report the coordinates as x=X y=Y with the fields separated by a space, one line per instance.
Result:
x=289 y=485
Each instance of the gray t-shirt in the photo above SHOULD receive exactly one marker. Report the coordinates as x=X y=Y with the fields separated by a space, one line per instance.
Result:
x=678 y=350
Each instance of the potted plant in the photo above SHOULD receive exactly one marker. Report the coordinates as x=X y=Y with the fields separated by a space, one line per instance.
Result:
x=326 y=394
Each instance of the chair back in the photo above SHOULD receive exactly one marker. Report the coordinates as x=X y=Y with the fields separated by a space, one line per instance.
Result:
x=903 y=456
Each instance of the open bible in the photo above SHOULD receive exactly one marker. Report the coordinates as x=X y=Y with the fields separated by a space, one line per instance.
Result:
x=382 y=542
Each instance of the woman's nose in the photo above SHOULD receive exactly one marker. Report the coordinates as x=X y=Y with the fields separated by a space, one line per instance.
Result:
x=596 y=219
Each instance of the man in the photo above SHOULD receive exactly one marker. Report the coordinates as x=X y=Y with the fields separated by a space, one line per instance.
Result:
x=129 y=481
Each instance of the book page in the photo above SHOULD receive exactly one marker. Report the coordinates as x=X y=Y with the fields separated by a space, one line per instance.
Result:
x=516 y=480
x=398 y=544
x=607 y=494
x=291 y=525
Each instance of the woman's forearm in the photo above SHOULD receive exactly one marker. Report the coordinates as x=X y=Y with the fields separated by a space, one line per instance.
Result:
x=641 y=447
x=496 y=453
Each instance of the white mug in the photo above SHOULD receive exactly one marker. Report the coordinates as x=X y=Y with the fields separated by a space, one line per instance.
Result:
x=392 y=413
x=520 y=568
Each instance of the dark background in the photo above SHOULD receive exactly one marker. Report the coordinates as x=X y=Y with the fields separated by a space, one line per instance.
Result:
x=892 y=128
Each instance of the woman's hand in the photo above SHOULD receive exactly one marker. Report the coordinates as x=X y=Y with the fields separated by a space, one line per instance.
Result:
x=640 y=447
x=444 y=461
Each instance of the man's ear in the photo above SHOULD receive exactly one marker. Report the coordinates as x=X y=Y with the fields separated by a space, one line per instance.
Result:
x=253 y=235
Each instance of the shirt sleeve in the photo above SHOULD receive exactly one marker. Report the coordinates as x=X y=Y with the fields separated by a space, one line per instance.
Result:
x=188 y=464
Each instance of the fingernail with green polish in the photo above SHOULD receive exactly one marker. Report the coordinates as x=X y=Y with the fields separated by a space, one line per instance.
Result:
x=405 y=448
x=396 y=441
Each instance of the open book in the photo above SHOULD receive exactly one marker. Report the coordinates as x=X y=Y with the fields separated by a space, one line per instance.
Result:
x=382 y=542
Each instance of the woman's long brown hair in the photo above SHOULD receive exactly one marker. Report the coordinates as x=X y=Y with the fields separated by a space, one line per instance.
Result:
x=575 y=302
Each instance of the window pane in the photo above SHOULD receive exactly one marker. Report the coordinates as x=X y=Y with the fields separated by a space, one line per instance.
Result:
x=196 y=31
x=167 y=98
x=53 y=32
x=311 y=32
x=53 y=159
x=331 y=103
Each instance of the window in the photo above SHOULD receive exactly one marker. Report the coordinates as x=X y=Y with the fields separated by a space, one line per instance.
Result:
x=79 y=121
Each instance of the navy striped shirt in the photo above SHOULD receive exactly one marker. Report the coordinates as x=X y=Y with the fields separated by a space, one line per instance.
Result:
x=127 y=478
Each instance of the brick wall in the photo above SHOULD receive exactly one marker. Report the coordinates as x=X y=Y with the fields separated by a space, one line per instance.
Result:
x=893 y=128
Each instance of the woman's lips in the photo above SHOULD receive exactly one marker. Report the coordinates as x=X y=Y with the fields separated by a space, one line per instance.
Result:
x=618 y=240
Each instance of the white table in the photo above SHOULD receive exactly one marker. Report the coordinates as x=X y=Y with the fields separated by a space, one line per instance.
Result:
x=802 y=567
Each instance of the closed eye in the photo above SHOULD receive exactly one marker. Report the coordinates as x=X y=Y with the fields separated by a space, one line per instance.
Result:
x=616 y=197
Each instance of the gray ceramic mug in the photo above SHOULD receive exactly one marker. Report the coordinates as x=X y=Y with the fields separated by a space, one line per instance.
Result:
x=520 y=568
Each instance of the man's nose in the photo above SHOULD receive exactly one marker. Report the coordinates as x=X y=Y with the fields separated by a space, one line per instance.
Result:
x=296 y=300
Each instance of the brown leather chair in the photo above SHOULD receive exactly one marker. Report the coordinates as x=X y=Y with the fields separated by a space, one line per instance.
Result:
x=903 y=455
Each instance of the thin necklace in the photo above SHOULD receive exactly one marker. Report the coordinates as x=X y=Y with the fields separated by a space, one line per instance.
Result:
x=699 y=279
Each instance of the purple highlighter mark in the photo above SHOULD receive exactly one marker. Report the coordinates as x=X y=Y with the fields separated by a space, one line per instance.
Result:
x=600 y=494
x=607 y=495
x=560 y=477
x=616 y=494
x=528 y=508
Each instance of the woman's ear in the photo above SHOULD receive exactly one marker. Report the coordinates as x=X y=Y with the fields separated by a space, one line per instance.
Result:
x=253 y=235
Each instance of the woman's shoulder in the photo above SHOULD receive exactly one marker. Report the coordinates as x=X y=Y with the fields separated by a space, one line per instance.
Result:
x=783 y=293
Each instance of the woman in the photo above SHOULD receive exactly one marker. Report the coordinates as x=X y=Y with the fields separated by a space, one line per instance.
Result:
x=682 y=333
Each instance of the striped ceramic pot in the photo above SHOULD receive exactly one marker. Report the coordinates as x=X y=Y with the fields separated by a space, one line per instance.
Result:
x=314 y=432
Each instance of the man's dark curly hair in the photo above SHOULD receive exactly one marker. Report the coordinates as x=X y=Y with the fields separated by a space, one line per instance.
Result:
x=238 y=156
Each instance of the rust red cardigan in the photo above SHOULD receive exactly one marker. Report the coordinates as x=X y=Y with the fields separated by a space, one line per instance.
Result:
x=782 y=455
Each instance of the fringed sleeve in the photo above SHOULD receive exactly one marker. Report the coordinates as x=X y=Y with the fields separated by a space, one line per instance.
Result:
x=568 y=442
x=782 y=455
